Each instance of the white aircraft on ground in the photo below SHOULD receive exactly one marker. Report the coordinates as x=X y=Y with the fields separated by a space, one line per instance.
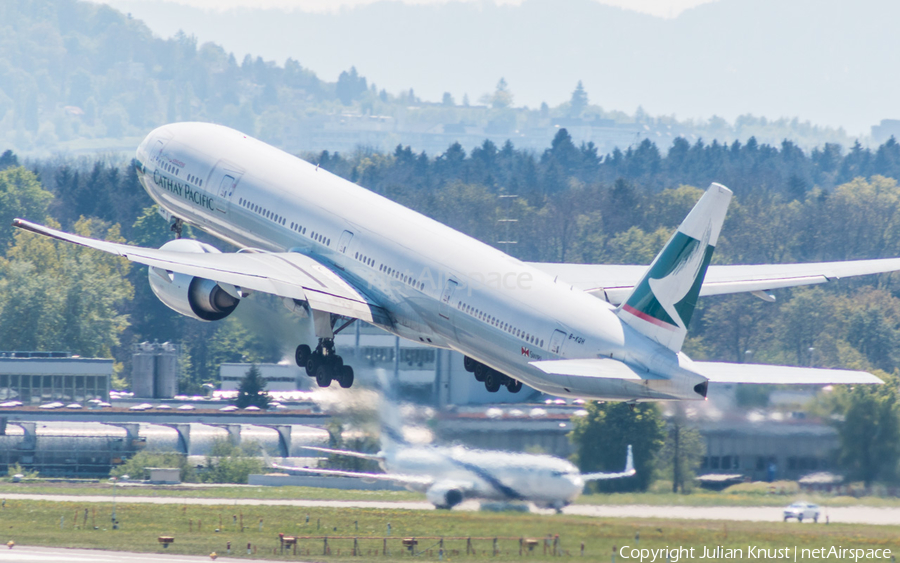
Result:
x=337 y=252
x=450 y=475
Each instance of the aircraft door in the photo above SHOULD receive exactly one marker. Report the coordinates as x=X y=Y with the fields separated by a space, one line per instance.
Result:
x=447 y=296
x=346 y=237
x=222 y=182
x=557 y=341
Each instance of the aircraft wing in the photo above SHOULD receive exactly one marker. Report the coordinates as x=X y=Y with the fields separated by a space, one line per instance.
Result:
x=285 y=274
x=615 y=282
x=627 y=472
x=396 y=478
x=720 y=372
x=349 y=453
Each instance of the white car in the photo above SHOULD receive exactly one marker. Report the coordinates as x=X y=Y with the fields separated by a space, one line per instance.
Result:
x=54 y=405
x=141 y=407
x=801 y=510
x=185 y=408
x=229 y=408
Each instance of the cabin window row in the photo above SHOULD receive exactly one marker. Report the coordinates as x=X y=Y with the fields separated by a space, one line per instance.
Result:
x=271 y=215
x=398 y=275
x=365 y=259
x=195 y=180
x=170 y=168
x=502 y=325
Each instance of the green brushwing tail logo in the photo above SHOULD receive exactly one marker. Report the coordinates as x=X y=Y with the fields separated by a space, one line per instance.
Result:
x=668 y=293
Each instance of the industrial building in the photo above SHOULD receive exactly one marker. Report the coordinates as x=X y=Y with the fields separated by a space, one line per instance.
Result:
x=154 y=371
x=279 y=377
x=41 y=377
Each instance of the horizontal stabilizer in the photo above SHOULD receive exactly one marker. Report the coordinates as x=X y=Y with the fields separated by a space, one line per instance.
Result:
x=628 y=472
x=605 y=368
x=720 y=372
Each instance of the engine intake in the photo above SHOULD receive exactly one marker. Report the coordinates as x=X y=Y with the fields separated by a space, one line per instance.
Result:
x=194 y=297
x=444 y=496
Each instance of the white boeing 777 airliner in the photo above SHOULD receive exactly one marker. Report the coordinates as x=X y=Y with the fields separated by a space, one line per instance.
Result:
x=339 y=252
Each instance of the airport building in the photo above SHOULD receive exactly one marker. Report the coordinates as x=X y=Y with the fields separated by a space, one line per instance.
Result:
x=430 y=375
x=279 y=377
x=41 y=377
x=154 y=370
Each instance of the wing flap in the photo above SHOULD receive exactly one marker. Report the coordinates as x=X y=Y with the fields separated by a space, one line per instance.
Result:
x=286 y=274
x=721 y=372
x=604 y=368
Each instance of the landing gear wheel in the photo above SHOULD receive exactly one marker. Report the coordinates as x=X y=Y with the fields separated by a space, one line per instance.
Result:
x=177 y=225
x=323 y=376
x=313 y=363
x=513 y=386
x=346 y=377
x=302 y=354
x=480 y=372
x=469 y=364
x=335 y=363
x=492 y=381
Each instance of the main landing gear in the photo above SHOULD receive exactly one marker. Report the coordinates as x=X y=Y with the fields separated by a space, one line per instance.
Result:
x=177 y=226
x=324 y=364
x=491 y=378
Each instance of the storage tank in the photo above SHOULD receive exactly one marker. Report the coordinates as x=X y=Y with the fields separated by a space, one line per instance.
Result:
x=166 y=370
x=143 y=368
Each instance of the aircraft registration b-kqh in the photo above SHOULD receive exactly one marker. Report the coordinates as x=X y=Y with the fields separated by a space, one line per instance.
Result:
x=338 y=252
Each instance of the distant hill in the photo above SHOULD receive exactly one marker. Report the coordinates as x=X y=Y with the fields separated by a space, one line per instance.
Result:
x=83 y=77
x=829 y=61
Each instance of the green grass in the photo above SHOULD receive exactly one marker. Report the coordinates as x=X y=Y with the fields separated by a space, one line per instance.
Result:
x=223 y=492
x=195 y=531
x=740 y=495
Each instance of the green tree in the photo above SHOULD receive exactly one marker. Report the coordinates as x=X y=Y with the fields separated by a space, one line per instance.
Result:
x=681 y=453
x=601 y=439
x=228 y=463
x=138 y=465
x=21 y=195
x=252 y=390
x=869 y=433
x=502 y=97
x=579 y=101
x=58 y=296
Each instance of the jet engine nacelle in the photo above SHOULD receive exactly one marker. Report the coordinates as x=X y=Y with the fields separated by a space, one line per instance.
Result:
x=444 y=495
x=194 y=297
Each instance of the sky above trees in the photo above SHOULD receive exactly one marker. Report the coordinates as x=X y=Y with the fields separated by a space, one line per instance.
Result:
x=829 y=62
x=659 y=8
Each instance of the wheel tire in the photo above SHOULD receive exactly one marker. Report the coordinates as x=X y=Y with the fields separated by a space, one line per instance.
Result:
x=302 y=354
x=469 y=364
x=323 y=376
x=492 y=381
x=313 y=363
x=514 y=386
x=335 y=363
x=480 y=372
x=816 y=519
x=800 y=518
x=346 y=377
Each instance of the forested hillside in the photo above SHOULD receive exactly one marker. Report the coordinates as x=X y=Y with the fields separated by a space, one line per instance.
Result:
x=572 y=205
x=75 y=76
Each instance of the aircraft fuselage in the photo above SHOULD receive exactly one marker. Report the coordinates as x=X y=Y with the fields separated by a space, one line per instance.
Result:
x=439 y=286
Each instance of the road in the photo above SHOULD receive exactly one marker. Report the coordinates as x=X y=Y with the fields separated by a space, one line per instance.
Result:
x=843 y=514
x=29 y=554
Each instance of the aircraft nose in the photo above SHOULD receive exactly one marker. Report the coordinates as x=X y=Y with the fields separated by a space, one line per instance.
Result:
x=576 y=484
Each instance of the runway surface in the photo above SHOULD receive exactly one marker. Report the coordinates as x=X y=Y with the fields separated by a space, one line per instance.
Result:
x=844 y=514
x=28 y=554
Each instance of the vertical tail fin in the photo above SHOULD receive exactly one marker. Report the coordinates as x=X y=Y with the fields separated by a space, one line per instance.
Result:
x=662 y=303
